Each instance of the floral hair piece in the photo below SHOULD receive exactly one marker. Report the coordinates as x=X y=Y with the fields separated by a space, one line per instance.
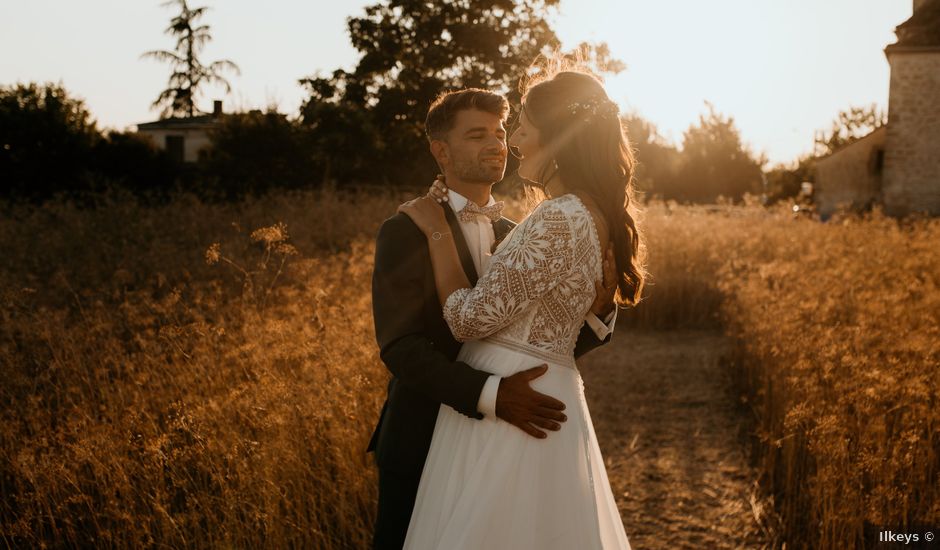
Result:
x=603 y=108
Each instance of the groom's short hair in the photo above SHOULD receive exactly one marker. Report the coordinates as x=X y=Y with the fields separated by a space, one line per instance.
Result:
x=444 y=109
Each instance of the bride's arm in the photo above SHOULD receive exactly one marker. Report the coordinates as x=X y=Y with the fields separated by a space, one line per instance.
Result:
x=449 y=275
x=538 y=256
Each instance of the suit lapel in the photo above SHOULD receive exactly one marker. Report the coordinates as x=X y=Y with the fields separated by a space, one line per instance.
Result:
x=501 y=228
x=466 y=260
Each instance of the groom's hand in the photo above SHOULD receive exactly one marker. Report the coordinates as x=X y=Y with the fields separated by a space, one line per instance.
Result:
x=525 y=408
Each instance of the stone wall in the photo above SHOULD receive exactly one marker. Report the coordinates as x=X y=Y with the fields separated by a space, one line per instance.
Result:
x=911 y=181
x=850 y=178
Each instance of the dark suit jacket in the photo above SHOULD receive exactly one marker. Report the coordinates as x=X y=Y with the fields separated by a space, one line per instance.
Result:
x=417 y=346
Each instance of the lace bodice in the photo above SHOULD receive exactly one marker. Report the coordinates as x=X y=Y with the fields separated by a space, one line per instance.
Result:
x=538 y=286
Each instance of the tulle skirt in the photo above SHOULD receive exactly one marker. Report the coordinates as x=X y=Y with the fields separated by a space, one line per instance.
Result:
x=487 y=484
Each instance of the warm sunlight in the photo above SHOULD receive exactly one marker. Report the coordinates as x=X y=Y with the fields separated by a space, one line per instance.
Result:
x=780 y=68
x=322 y=274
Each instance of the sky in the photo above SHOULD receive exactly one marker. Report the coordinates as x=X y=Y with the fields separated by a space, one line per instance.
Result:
x=781 y=69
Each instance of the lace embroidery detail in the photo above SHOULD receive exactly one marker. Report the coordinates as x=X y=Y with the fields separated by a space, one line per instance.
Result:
x=539 y=284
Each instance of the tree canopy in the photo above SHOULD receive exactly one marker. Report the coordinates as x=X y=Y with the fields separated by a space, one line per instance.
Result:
x=369 y=123
x=850 y=125
x=49 y=144
x=715 y=162
x=46 y=138
x=189 y=73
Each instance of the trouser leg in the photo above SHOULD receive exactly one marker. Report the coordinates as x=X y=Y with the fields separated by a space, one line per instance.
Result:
x=396 y=501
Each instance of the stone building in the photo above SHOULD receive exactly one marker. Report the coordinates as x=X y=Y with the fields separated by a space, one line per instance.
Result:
x=897 y=165
x=852 y=177
x=185 y=138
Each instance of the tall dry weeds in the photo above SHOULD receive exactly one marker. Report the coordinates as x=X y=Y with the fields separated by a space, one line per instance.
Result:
x=151 y=398
x=838 y=331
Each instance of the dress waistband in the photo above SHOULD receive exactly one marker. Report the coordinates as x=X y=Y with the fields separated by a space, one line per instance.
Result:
x=529 y=349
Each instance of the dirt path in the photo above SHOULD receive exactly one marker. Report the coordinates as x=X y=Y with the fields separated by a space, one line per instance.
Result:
x=672 y=438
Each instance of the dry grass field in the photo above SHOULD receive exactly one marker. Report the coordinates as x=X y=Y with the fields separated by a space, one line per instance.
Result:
x=199 y=375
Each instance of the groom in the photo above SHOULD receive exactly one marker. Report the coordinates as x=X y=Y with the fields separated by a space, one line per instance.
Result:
x=468 y=140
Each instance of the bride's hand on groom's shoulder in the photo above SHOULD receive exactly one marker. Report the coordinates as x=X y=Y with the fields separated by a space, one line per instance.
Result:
x=438 y=189
x=426 y=213
x=422 y=211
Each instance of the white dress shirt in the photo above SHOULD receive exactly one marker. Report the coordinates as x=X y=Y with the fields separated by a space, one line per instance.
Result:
x=480 y=236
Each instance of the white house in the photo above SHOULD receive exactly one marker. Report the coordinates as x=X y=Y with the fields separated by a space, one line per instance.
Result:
x=186 y=139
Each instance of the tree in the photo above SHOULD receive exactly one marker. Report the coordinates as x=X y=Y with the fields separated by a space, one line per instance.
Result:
x=188 y=72
x=785 y=182
x=46 y=138
x=373 y=117
x=49 y=144
x=343 y=139
x=657 y=159
x=849 y=126
x=132 y=161
x=254 y=152
x=714 y=162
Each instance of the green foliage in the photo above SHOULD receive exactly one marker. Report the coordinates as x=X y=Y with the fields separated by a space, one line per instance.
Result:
x=657 y=159
x=131 y=161
x=45 y=139
x=342 y=137
x=50 y=144
x=784 y=182
x=179 y=98
x=254 y=152
x=715 y=162
x=372 y=118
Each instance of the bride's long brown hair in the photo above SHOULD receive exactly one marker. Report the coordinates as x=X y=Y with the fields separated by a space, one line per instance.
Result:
x=588 y=148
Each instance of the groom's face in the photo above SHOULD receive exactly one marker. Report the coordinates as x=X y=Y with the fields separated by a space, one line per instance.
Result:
x=475 y=148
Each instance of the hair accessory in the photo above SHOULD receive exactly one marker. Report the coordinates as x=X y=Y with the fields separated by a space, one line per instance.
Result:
x=604 y=108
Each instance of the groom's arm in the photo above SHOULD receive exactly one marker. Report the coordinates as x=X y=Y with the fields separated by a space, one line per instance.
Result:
x=594 y=331
x=401 y=257
x=588 y=339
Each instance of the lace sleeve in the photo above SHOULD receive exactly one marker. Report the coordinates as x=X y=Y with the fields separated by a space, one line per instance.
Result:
x=538 y=255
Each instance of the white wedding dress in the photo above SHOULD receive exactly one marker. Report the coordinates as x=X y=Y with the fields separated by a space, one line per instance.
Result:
x=486 y=484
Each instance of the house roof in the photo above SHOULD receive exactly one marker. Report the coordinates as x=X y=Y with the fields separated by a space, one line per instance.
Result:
x=202 y=121
x=922 y=30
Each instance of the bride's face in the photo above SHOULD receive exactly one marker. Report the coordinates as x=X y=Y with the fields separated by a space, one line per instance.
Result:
x=525 y=142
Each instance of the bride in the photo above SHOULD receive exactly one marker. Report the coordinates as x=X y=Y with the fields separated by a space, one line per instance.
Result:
x=487 y=484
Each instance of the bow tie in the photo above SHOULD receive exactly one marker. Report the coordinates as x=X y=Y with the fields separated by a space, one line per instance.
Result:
x=469 y=212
